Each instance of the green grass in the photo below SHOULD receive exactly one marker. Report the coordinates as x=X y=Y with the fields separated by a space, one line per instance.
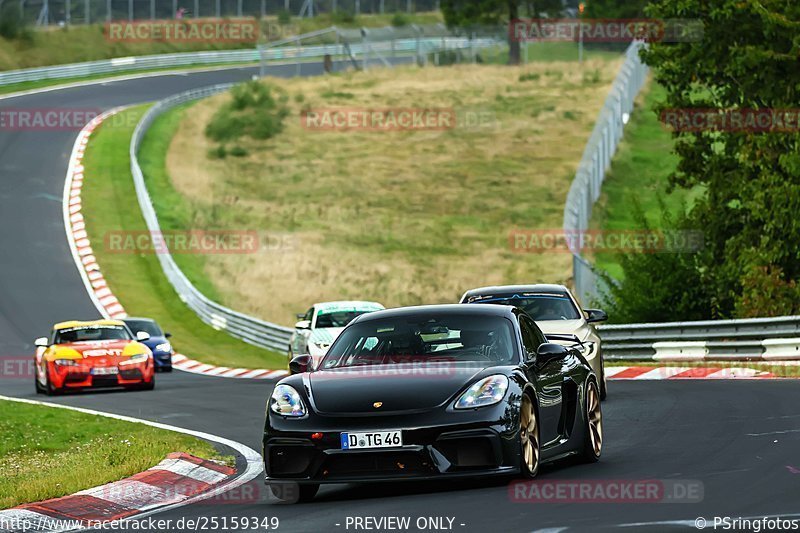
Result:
x=109 y=204
x=790 y=370
x=639 y=172
x=47 y=452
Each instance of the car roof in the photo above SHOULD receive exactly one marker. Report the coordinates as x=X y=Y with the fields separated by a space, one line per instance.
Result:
x=348 y=305
x=505 y=289
x=450 y=309
x=79 y=323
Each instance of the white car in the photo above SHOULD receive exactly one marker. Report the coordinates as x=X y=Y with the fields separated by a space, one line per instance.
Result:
x=321 y=324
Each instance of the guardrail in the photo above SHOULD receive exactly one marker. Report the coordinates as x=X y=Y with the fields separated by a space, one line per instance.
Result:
x=740 y=339
x=602 y=144
x=250 y=329
x=264 y=53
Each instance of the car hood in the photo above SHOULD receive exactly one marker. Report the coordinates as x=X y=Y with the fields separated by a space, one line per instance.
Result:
x=324 y=335
x=578 y=327
x=397 y=387
x=99 y=351
x=152 y=342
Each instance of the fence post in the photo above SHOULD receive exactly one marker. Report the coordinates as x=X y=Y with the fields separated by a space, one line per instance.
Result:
x=86 y=12
x=130 y=10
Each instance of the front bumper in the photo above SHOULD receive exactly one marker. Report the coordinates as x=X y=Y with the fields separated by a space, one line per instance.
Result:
x=80 y=377
x=162 y=360
x=479 y=442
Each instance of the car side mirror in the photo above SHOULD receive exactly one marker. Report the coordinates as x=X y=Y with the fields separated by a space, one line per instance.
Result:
x=549 y=351
x=300 y=364
x=303 y=324
x=595 y=315
x=142 y=336
x=167 y=334
x=41 y=342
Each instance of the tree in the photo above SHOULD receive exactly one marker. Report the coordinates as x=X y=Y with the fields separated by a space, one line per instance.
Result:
x=471 y=12
x=615 y=9
x=747 y=58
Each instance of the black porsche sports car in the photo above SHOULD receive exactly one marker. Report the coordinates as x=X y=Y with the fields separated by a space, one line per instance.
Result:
x=430 y=392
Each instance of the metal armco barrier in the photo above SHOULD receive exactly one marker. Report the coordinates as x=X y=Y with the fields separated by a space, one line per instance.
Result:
x=740 y=339
x=601 y=147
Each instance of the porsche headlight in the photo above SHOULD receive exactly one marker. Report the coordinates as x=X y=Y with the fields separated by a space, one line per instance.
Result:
x=286 y=401
x=137 y=358
x=164 y=347
x=487 y=391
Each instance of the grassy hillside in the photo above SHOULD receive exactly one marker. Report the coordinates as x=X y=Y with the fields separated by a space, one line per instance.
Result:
x=402 y=217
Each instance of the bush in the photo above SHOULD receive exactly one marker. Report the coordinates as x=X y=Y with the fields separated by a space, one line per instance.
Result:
x=12 y=26
x=661 y=286
x=284 y=17
x=530 y=76
x=217 y=153
x=238 y=151
x=252 y=112
x=400 y=19
x=343 y=17
x=765 y=293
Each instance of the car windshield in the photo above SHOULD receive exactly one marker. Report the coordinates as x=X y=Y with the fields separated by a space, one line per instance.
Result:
x=539 y=306
x=337 y=319
x=97 y=332
x=424 y=339
x=148 y=326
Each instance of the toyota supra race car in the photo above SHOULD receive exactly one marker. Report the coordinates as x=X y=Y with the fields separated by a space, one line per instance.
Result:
x=100 y=353
x=431 y=392
x=558 y=314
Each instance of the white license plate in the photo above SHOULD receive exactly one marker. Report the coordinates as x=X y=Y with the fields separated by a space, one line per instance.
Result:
x=105 y=371
x=373 y=439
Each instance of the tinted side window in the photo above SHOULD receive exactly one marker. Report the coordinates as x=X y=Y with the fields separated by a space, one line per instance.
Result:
x=538 y=336
x=528 y=338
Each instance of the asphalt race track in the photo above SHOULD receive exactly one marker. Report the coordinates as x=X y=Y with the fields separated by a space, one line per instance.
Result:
x=739 y=441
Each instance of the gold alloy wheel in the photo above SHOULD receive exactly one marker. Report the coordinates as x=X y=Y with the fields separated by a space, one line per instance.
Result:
x=595 y=417
x=529 y=435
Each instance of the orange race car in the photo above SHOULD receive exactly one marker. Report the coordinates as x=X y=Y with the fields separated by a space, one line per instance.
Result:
x=98 y=353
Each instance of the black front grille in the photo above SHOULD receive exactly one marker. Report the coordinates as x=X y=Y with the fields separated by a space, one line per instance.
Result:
x=469 y=452
x=341 y=465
